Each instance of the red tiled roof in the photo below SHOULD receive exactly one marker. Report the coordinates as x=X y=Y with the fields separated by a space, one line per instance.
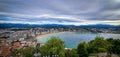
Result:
x=5 y=50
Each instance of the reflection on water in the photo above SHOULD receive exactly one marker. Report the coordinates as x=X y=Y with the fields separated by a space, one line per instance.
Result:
x=73 y=38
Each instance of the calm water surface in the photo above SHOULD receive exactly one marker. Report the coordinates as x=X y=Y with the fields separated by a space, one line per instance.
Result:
x=72 y=39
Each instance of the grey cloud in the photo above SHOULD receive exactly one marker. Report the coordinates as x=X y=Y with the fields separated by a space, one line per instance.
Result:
x=87 y=9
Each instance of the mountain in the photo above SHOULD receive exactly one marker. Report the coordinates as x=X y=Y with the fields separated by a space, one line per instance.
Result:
x=11 y=25
x=99 y=26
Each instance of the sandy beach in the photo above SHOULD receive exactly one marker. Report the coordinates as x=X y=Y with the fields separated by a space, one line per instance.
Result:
x=43 y=35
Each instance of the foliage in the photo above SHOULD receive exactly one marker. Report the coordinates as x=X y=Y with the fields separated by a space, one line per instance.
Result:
x=15 y=52
x=53 y=46
x=24 y=52
x=102 y=49
x=71 y=53
x=92 y=54
x=27 y=52
x=114 y=47
x=82 y=49
x=56 y=46
x=98 y=45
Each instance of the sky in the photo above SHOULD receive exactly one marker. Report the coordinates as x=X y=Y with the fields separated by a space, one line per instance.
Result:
x=68 y=12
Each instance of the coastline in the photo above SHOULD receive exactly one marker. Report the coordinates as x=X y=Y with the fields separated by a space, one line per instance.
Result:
x=42 y=38
x=43 y=35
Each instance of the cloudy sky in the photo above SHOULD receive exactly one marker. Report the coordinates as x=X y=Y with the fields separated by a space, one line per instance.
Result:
x=68 y=12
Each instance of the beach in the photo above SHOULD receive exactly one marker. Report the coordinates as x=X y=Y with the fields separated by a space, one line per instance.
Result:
x=43 y=35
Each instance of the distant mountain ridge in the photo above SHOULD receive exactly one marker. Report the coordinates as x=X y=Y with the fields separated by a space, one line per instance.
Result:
x=11 y=25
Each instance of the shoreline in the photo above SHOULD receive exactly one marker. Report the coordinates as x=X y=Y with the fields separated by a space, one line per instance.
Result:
x=43 y=35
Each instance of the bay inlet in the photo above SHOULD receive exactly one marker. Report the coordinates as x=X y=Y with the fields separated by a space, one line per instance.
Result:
x=72 y=39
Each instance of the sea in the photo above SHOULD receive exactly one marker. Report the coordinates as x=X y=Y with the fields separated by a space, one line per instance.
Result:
x=72 y=39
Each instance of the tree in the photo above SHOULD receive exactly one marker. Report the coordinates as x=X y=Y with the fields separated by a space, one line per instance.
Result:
x=110 y=47
x=71 y=53
x=114 y=47
x=27 y=52
x=82 y=49
x=15 y=52
x=43 y=50
x=74 y=53
x=98 y=45
x=54 y=46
